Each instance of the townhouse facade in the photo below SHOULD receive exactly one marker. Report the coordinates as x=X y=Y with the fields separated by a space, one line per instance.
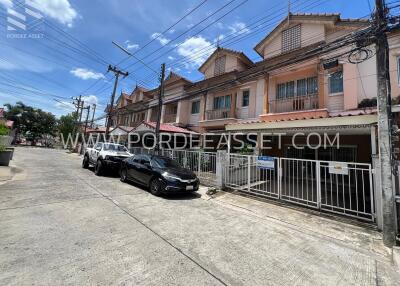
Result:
x=292 y=90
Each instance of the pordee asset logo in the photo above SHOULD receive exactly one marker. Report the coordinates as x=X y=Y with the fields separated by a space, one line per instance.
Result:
x=24 y=20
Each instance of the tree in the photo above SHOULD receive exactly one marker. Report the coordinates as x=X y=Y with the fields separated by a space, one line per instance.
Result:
x=33 y=123
x=66 y=124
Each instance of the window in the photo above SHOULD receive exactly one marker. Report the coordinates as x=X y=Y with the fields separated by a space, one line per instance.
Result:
x=301 y=87
x=220 y=65
x=281 y=91
x=291 y=38
x=312 y=85
x=196 y=107
x=222 y=102
x=285 y=90
x=336 y=82
x=245 y=98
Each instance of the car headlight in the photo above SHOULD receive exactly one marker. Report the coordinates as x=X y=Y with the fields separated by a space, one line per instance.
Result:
x=170 y=177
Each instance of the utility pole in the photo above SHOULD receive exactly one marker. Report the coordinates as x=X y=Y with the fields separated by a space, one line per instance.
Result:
x=160 y=103
x=77 y=103
x=94 y=111
x=384 y=124
x=117 y=73
x=87 y=119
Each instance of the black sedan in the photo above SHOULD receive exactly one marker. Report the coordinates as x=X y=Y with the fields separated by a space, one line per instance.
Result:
x=159 y=174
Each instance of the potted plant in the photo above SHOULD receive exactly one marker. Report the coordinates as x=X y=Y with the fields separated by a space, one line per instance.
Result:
x=4 y=138
x=5 y=156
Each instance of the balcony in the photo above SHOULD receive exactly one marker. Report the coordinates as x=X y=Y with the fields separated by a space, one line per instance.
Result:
x=170 y=118
x=300 y=103
x=218 y=114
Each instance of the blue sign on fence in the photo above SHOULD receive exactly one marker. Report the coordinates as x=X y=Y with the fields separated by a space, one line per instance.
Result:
x=265 y=162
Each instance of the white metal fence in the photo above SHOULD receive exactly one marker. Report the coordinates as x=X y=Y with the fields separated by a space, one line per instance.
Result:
x=311 y=183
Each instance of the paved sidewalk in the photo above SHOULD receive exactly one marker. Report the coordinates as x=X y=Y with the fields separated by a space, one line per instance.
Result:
x=61 y=225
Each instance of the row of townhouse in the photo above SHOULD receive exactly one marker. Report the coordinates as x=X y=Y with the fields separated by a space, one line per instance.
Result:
x=311 y=95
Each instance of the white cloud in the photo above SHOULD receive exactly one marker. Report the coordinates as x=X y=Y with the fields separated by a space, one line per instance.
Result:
x=171 y=31
x=131 y=46
x=163 y=40
x=90 y=100
x=61 y=10
x=196 y=50
x=239 y=28
x=86 y=74
x=171 y=58
x=6 y=3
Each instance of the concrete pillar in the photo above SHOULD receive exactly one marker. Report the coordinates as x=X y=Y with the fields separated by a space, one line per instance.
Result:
x=221 y=163
x=373 y=140
x=148 y=115
x=162 y=113
x=178 y=112
x=376 y=165
x=321 y=87
x=203 y=107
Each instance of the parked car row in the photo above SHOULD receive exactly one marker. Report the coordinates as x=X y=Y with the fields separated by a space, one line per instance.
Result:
x=157 y=173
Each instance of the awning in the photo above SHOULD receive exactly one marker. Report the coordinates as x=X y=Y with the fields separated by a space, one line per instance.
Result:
x=361 y=122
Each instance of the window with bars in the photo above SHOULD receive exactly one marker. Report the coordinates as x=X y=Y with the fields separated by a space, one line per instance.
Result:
x=245 y=98
x=220 y=65
x=222 y=102
x=196 y=107
x=336 y=82
x=301 y=87
x=291 y=38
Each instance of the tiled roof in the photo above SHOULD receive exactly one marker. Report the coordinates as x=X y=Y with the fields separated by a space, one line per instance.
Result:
x=230 y=51
x=165 y=127
x=97 y=130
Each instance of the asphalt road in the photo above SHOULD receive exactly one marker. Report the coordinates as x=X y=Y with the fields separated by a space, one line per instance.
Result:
x=62 y=225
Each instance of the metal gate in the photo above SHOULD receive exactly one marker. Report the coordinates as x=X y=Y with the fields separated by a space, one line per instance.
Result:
x=338 y=187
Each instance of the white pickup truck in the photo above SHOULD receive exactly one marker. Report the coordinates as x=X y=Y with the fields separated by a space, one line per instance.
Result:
x=105 y=156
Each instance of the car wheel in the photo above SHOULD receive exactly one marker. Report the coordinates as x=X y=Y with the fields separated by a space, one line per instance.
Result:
x=85 y=162
x=98 y=169
x=155 y=187
x=124 y=175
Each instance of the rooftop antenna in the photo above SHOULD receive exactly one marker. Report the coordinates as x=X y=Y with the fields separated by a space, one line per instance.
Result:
x=289 y=8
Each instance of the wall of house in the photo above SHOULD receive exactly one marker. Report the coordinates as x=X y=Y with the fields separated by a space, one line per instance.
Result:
x=232 y=63
x=249 y=111
x=310 y=33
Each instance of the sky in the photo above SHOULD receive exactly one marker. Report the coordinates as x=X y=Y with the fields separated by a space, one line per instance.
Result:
x=66 y=46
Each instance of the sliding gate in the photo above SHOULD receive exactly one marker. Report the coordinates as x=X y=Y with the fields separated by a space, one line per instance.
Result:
x=338 y=187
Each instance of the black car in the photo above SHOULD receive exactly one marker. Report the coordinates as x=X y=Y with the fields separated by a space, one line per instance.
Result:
x=159 y=174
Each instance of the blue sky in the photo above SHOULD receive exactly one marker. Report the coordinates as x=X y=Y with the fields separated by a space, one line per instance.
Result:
x=58 y=67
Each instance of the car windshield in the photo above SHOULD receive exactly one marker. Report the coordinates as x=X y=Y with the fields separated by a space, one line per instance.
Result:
x=113 y=147
x=164 y=163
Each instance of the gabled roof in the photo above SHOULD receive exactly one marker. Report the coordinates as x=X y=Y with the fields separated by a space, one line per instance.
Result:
x=139 y=88
x=241 y=55
x=329 y=18
x=172 y=77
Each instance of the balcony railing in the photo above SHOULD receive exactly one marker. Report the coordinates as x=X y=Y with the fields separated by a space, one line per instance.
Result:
x=218 y=114
x=169 y=118
x=300 y=103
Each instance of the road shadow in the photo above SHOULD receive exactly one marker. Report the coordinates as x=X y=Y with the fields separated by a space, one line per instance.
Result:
x=170 y=196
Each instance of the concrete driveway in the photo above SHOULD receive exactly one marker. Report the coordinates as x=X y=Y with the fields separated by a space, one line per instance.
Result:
x=62 y=225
